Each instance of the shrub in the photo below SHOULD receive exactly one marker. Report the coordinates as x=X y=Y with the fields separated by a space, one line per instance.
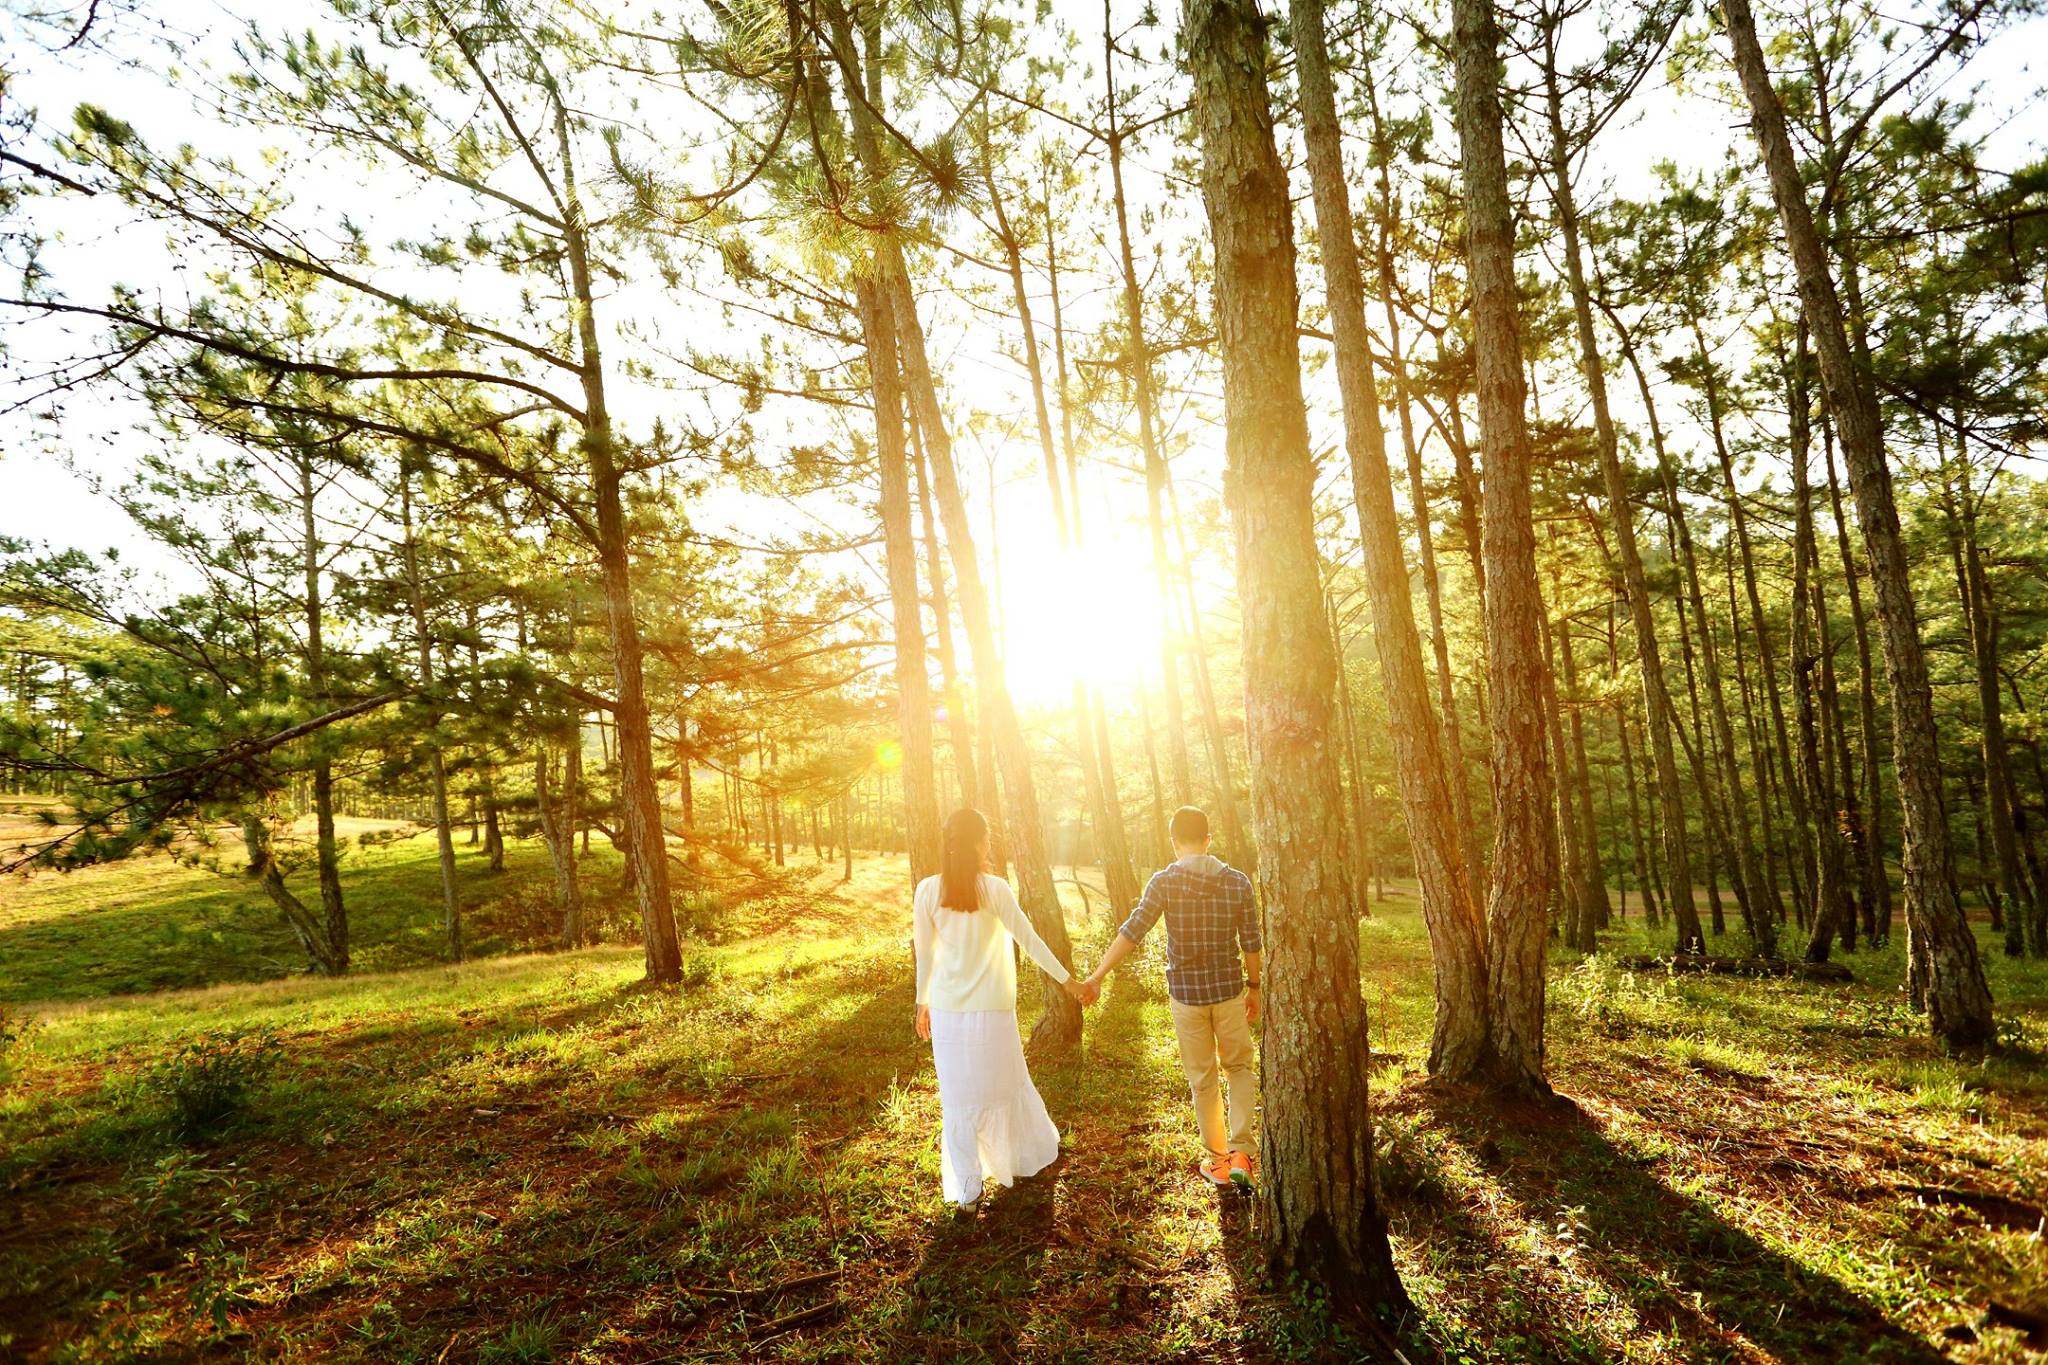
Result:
x=700 y=967
x=1411 y=1161
x=209 y=1079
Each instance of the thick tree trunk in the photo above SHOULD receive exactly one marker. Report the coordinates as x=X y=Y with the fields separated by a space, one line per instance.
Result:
x=1458 y=1038
x=1523 y=870
x=913 y=680
x=1660 y=715
x=1319 y=1213
x=1958 y=1001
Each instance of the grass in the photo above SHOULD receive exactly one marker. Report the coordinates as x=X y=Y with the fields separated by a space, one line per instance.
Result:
x=536 y=1158
x=153 y=923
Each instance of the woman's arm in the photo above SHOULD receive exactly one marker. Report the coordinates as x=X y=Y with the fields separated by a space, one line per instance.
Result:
x=923 y=936
x=1004 y=901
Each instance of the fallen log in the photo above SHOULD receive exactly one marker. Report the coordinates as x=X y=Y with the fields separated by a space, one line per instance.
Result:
x=1736 y=966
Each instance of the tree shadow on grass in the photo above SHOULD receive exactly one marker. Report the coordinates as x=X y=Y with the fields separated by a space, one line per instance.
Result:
x=1683 y=1269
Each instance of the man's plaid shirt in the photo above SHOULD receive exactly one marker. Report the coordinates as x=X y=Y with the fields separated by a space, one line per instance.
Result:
x=1211 y=921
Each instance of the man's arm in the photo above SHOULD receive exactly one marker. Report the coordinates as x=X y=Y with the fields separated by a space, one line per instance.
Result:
x=1142 y=918
x=1119 y=949
x=1253 y=947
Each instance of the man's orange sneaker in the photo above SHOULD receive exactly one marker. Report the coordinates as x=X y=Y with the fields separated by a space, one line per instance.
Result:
x=1217 y=1172
x=1242 y=1169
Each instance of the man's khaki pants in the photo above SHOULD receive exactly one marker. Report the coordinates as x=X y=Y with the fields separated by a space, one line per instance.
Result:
x=1216 y=1042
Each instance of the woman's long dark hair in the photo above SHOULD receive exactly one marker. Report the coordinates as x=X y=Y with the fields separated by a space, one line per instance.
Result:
x=960 y=863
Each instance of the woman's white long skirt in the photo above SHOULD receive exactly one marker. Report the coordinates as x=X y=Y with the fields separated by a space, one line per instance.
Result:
x=993 y=1124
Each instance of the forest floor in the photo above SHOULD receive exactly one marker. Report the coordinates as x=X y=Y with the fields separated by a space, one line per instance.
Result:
x=533 y=1157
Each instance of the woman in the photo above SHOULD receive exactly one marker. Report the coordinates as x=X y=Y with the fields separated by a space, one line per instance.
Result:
x=992 y=1122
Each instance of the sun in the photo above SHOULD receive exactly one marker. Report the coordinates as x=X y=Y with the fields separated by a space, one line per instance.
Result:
x=1092 y=614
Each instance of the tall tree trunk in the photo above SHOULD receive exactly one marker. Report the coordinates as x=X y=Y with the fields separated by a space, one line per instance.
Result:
x=1059 y=1026
x=1877 y=886
x=1138 y=361
x=913 y=680
x=1831 y=906
x=1458 y=1037
x=1523 y=870
x=1777 y=740
x=327 y=854
x=1118 y=877
x=558 y=828
x=1638 y=847
x=1661 y=718
x=1447 y=704
x=639 y=792
x=1983 y=621
x=1591 y=892
x=1750 y=888
x=1360 y=845
x=1564 y=825
x=1770 y=911
x=1320 y=1215
x=959 y=728
x=437 y=771
x=1226 y=809
x=305 y=925
x=1958 y=1001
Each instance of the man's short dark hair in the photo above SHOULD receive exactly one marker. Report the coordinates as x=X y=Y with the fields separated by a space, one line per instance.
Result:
x=1189 y=825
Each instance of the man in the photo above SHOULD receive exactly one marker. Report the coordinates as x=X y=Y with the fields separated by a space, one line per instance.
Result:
x=1212 y=975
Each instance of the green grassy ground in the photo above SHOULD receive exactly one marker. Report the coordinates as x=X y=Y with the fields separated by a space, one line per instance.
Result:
x=152 y=924
x=534 y=1158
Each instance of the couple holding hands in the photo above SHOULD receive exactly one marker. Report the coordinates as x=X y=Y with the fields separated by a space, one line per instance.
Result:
x=993 y=1124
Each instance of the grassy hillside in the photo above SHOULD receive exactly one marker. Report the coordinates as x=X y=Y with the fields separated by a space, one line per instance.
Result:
x=535 y=1158
x=155 y=923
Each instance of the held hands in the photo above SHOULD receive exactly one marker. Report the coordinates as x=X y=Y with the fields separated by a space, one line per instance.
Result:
x=1086 y=992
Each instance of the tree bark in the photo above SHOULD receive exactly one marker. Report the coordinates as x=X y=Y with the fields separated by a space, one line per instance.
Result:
x=639 y=792
x=1320 y=1215
x=1523 y=865
x=1958 y=1001
x=305 y=925
x=1660 y=715
x=913 y=679
x=1458 y=1037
